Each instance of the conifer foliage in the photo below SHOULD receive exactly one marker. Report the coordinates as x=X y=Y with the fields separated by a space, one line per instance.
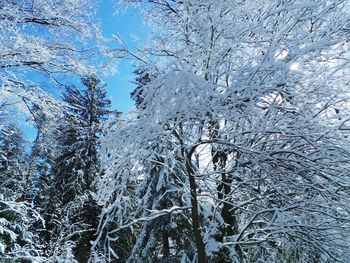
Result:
x=72 y=210
x=17 y=236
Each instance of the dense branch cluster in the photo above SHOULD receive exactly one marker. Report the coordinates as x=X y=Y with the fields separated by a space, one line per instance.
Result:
x=237 y=142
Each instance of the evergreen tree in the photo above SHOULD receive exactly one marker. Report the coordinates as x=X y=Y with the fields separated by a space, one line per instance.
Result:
x=143 y=77
x=12 y=161
x=16 y=234
x=72 y=210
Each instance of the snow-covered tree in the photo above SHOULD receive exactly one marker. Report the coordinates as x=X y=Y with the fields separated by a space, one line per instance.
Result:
x=242 y=137
x=51 y=42
x=17 y=236
x=71 y=210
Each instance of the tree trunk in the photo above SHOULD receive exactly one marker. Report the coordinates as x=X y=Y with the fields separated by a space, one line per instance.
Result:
x=166 y=246
x=219 y=159
x=194 y=212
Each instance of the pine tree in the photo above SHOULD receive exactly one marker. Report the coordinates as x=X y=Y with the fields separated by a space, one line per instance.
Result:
x=17 y=237
x=72 y=209
x=143 y=77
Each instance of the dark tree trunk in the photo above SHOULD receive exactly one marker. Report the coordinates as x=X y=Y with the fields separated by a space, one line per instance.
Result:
x=166 y=246
x=194 y=212
x=219 y=159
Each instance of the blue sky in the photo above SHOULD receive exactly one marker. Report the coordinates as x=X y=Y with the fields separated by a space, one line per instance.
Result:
x=124 y=24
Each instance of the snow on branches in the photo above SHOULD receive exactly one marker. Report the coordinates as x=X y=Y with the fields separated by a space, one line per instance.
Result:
x=234 y=153
x=43 y=42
